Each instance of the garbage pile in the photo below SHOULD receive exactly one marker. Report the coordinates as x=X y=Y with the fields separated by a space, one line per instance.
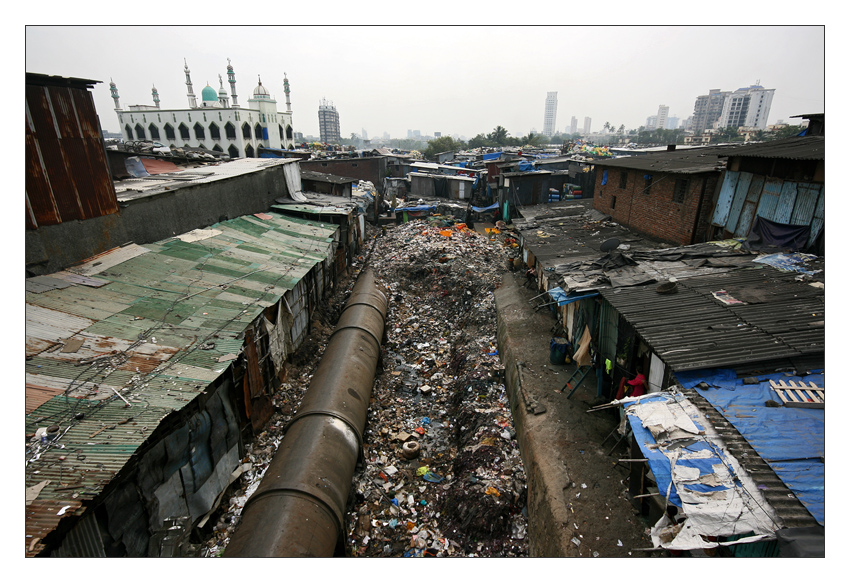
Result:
x=442 y=474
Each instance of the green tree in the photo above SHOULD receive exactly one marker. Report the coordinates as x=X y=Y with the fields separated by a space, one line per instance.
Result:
x=787 y=132
x=479 y=141
x=442 y=144
x=499 y=136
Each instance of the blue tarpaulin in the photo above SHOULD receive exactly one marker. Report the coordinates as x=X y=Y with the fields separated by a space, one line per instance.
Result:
x=527 y=167
x=788 y=261
x=659 y=463
x=560 y=296
x=482 y=209
x=414 y=209
x=790 y=439
x=493 y=156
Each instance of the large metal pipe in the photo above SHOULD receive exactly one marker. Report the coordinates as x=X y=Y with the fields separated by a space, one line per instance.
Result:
x=298 y=509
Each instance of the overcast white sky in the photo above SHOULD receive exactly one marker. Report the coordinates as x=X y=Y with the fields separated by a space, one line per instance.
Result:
x=460 y=80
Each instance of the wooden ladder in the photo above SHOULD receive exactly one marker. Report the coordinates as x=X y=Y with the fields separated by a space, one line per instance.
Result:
x=799 y=394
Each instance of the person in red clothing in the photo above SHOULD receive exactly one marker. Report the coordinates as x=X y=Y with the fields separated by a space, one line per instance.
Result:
x=633 y=388
x=638 y=385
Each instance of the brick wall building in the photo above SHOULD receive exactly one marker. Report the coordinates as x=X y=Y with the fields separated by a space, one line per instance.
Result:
x=667 y=196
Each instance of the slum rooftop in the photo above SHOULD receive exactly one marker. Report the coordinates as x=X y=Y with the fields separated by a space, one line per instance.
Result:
x=129 y=335
x=761 y=306
x=133 y=188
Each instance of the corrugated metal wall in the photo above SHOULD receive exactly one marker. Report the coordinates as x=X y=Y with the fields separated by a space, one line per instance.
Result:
x=67 y=173
x=743 y=196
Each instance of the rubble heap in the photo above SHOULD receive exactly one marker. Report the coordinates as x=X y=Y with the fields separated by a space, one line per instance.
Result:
x=442 y=474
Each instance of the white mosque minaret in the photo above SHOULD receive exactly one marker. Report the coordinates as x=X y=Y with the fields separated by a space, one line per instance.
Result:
x=217 y=123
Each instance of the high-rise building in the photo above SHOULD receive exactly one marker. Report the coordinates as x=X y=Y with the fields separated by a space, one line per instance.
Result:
x=707 y=109
x=587 y=125
x=661 y=121
x=573 y=125
x=746 y=107
x=328 y=123
x=551 y=113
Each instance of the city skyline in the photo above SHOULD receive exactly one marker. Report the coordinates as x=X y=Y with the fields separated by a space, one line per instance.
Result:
x=371 y=92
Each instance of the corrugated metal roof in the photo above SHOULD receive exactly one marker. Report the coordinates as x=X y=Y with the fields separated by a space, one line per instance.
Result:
x=798 y=148
x=155 y=333
x=132 y=188
x=691 y=329
x=689 y=161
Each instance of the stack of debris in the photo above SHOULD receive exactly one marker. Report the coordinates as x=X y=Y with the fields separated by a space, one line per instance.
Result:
x=442 y=473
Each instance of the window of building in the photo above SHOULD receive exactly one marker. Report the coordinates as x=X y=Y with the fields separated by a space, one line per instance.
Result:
x=680 y=189
x=258 y=132
x=230 y=131
x=613 y=202
x=154 y=131
x=214 y=132
x=140 y=132
x=199 y=131
x=169 y=131
x=246 y=131
x=184 y=131
x=233 y=151
x=624 y=179
x=647 y=183
x=129 y=131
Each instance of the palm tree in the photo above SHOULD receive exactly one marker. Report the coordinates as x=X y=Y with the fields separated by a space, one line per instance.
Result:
x=499 y=135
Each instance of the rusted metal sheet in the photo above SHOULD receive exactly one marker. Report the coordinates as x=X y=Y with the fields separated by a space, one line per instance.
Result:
x=67 y=171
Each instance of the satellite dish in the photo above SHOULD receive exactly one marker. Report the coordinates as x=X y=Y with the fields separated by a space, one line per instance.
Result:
x=609 y=245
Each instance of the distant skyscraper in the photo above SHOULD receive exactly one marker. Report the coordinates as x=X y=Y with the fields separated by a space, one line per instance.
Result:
x=573 y=125
x=661 y=121
x=652 y=122
x=746 y=107
x=328 y=123
x=551 y=113
x=587 y=125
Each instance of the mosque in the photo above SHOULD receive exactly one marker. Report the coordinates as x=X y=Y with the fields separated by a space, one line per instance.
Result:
x=217 y=123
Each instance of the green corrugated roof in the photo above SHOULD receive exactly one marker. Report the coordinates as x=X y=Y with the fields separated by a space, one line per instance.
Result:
x=180 y=294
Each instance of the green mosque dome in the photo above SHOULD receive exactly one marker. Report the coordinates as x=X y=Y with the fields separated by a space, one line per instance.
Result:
x=209 y=94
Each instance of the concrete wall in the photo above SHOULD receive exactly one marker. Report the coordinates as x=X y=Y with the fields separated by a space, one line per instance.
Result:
x=655 y=213
x=153 y=218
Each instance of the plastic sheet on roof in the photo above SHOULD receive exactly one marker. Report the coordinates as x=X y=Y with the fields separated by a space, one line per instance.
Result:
x=695 y=472
x=790 y=439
